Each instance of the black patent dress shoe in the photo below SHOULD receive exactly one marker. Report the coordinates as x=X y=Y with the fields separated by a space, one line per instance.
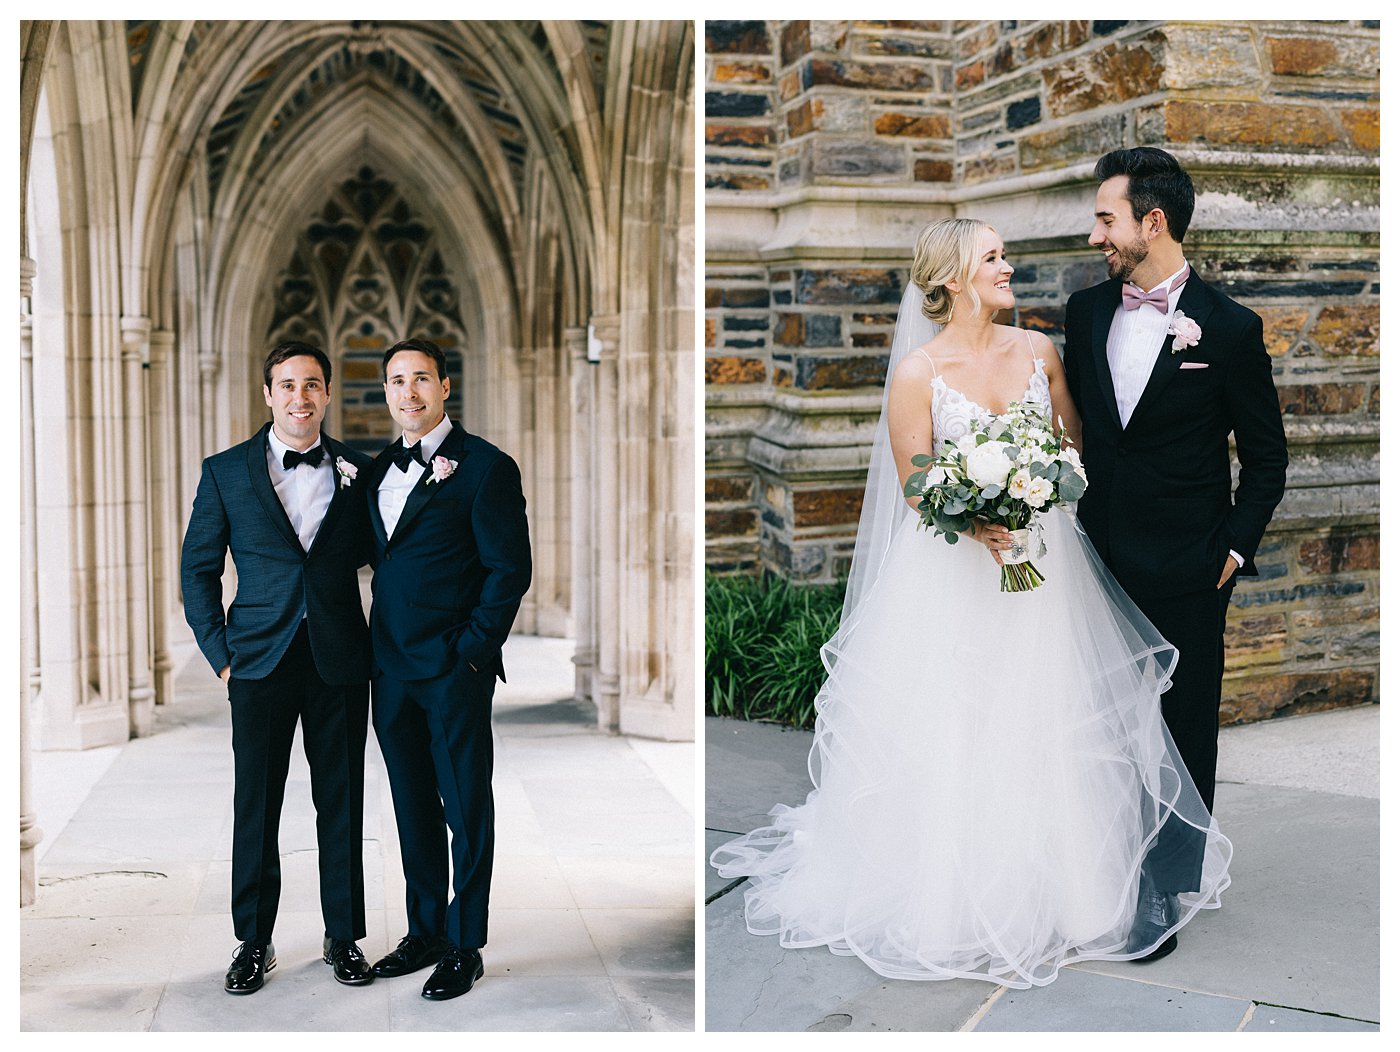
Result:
x=347 y=962
x=1168 y=945
x=251 y=963
x=412 y=952
x=1156 y=915
x=454 y=975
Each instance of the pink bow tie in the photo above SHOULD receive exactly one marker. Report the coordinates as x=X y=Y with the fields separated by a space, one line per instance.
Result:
x=1134 y=297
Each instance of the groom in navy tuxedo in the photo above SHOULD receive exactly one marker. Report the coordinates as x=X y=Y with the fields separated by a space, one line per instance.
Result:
x=1164 y=368
x=289 y=504
x=451 y=556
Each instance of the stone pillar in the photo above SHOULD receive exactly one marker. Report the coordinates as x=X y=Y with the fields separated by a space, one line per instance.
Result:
x=141 y=695
x=29 y=832
x=164 y=503
x=607 y=682
x=209 y=366
x=583 y=500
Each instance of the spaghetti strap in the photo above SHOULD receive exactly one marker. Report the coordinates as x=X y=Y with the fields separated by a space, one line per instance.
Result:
x=928 y=359
x=1031 y=345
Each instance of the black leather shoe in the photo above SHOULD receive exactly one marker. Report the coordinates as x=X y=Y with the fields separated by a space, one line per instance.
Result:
x=1156 y=915
x=412 y=952
x=454 y=975
x=1168 y=945
x=251 y=963
x=346 y=961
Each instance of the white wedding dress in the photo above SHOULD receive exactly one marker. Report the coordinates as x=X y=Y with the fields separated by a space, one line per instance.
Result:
x=991 y=768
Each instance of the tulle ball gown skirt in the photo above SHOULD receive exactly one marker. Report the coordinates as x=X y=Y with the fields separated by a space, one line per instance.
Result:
x=992 y=774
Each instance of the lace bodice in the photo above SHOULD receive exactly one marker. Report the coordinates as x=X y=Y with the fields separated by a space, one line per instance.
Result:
x=954 y=414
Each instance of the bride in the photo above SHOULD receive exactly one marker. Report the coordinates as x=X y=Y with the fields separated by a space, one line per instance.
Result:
x=996 y=794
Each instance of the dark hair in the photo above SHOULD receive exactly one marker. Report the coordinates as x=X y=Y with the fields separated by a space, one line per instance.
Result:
x=295 y=349
x=1155 y=180
x=427 y=347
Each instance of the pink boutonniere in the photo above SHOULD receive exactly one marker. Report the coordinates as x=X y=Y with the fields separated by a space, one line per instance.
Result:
x=348 y=472
x=1186 y=332
x=442 y=469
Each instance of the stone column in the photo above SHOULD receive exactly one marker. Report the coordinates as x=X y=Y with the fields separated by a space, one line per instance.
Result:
x=165 y=523
x=607 y=689
x=583 y=502
x=29 y=832
x=209 y=365
x=141 y=695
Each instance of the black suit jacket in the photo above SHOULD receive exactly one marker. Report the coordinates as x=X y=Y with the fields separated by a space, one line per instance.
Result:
x=236 y=509
x=1159 y=506
x=449 y=582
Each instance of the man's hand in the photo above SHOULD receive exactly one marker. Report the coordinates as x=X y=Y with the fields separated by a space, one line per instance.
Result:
x=224 y=673
x=1231 y=567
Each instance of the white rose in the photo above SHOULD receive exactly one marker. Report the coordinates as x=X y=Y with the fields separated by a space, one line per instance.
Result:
x=988 y=464
x=1019 y=485
x=1040 y=491
x=1070 y=455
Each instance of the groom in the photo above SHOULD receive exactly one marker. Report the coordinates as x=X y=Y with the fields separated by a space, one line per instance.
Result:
x=1163 y=368
x=451 y=557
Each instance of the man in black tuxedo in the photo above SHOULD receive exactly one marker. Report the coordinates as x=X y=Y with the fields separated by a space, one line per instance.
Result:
x=1163 y=367
x=289 y=504
x=451 y=556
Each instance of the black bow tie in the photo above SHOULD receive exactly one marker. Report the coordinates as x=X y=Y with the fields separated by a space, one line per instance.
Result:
x=407 y=455
x=312 y=456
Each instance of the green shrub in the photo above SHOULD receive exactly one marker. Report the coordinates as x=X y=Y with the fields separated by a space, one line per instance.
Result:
x=763 y=639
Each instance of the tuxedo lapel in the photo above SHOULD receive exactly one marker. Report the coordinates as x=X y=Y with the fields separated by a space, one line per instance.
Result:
x=1195 y=304
x=427 y=489
x=261 y=482
x=1102 y=321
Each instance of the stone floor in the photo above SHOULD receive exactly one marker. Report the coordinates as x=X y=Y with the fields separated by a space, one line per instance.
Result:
x=1295 y=947
x=593 y=897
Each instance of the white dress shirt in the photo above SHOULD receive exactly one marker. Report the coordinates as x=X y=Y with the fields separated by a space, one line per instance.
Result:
x=1134 y=341
x=398 y=484
x=305 y=492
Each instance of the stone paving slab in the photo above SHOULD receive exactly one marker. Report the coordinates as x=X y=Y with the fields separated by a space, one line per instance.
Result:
x=1081 y=1001
x=1269 y=1018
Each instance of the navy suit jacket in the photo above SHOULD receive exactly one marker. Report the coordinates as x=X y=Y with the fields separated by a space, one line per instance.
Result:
x=448 y=584
x=1160 y=507
x=236 y=509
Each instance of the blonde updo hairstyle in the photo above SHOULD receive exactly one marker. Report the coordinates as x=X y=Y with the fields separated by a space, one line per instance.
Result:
x=947 y=251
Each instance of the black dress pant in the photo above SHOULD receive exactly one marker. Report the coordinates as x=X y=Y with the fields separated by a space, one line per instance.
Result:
x=435 y=735
x=1195 y=624
x=334 y=724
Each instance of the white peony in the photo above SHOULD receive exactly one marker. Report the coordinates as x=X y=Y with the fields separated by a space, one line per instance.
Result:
x=1019 y=485
x=967 y=443
x=988 y=464
x=1041 y=490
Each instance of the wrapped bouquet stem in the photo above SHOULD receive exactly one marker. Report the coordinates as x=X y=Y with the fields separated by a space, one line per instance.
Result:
x=1006 y=470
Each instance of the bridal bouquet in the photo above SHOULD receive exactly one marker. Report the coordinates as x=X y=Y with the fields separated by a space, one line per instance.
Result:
x=1005 y=471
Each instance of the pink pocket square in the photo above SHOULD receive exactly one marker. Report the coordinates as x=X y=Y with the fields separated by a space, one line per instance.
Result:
x=1195 y=365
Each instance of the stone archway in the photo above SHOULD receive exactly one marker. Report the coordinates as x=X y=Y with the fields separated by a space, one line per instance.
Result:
x=548 y=166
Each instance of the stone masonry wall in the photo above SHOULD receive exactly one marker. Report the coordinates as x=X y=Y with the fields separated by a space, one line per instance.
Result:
x=830 y=144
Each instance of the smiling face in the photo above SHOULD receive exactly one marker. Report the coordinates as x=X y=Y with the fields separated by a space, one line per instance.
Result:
x=992 y=278
x=415 y=393
x=1116 y=234
x=298 y=397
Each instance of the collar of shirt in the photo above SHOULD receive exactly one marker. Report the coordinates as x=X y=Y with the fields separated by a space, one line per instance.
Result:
x=1174 y=297
x=278 y=448
x=431 y=442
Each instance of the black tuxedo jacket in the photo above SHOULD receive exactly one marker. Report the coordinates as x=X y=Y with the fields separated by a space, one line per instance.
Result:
x=449 y=582
x=1159 y=506
x=236 y=509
